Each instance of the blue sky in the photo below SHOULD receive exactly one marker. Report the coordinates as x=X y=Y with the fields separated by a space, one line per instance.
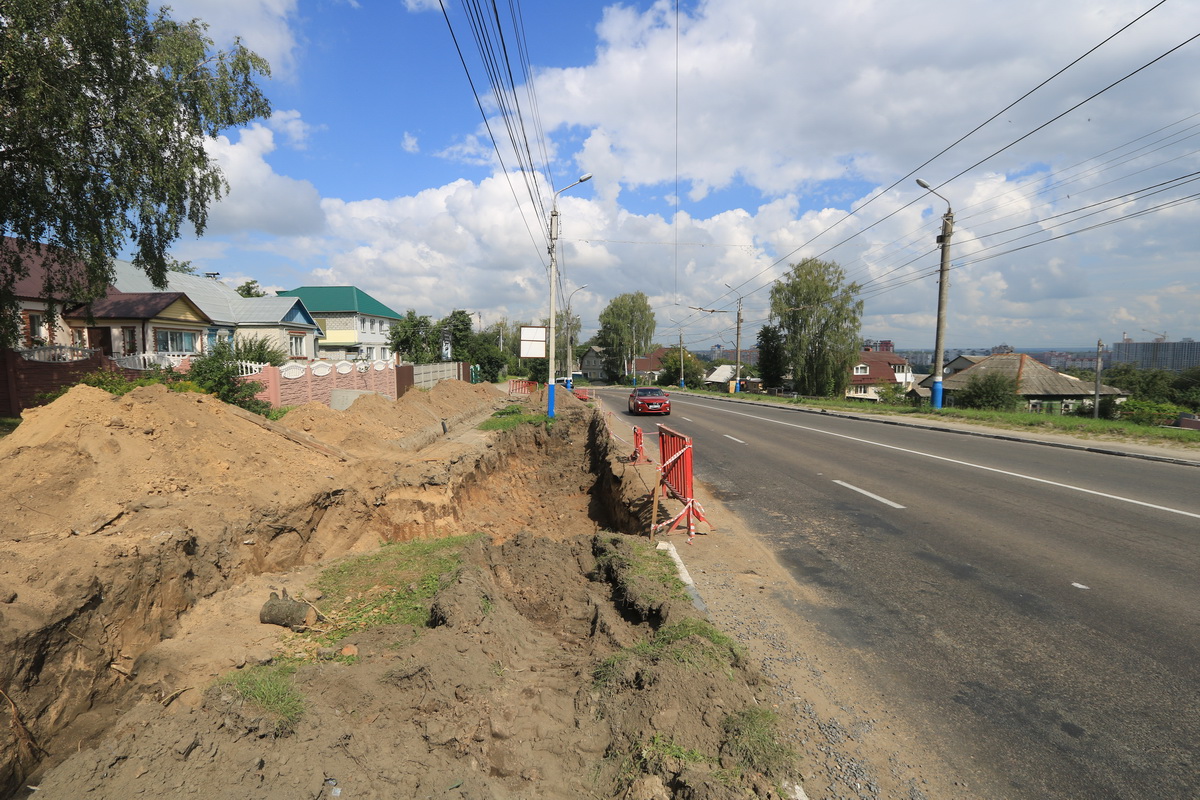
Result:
x=773 y=119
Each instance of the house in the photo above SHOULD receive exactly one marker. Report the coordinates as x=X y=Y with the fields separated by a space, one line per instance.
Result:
x=136 y=323
x=1043 y=389
x=284 y=322
x=959 y=363
x=647 y=368
x=592 y=364
x=38 y=325
x=354 y=324
x=720 y=378
x=875 y=370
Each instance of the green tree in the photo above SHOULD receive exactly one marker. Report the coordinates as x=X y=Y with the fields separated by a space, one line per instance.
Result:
x=772 y=358
x=251 y=289
x=992 y=391
x=693 y=369
x=105 y=115
x=626 y=330
x=414 y=338
x=1149 y=385
x=462 y=335
x=820 y=320
x=260 y=350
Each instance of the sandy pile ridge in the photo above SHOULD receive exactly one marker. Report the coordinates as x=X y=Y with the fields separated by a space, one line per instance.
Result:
x=90 y=461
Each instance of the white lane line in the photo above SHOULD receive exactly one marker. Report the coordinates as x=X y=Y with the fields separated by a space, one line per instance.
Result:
x=739 y=441
x=685 y=419
x=1080 y=586
x=1080 y=489
x=871 y=495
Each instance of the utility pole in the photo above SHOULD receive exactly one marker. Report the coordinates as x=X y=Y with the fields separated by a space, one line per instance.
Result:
x=681 y=386
x=553 y=342
x=1099 y=363
x=738 y=345
x=939 y=345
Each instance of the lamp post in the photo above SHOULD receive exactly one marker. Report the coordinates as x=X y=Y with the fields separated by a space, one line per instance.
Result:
x=939 y=345
x=738 y=370
x=553 y=286
x=570 y=349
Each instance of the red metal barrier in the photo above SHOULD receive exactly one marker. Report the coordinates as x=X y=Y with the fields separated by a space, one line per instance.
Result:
x=639 y=448
x=521 y=387
x=585 y=394
x=675 y=450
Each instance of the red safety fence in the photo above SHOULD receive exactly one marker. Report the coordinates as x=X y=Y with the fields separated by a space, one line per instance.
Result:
x=675 y=450
x=639 y=448
x=585 y=394
x=522 y=387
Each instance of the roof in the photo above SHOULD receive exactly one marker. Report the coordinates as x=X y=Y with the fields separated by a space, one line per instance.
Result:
x=651 y=362
x=133 y=305
x=220 y=301
x=721 y=374
x=331 y=299
x=1034 y=379
x=879 y=367
x=32 y=285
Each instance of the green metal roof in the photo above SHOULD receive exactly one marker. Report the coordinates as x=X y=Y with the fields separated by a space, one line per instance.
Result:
x=331 y=299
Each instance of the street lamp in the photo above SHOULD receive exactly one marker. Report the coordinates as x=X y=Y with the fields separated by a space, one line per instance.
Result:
x=939 y=345
x=570 y=349
x=554 y=283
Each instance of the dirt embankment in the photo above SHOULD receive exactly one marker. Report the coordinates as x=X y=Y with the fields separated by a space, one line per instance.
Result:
x=145 y=532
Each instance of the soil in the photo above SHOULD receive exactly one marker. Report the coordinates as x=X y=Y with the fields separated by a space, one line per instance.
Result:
x=147 y=531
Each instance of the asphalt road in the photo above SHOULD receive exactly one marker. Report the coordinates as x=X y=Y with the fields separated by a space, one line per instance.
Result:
x=1036 y=609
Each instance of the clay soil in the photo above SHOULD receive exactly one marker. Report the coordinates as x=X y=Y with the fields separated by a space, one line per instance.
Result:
x=142 y=535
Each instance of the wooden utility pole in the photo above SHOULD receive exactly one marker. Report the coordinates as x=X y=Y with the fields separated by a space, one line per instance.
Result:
x=1099 y=363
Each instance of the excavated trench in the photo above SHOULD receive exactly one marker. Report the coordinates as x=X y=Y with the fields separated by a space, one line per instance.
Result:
x=128 y=512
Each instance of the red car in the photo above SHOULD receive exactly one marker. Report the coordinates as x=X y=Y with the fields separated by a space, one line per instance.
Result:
x=649 y=400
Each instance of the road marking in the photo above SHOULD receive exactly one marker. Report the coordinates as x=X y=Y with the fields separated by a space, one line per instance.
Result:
x=685 y=419
x=883 y=500
x=739 y=441
x=961 y=463
x=1080 y=586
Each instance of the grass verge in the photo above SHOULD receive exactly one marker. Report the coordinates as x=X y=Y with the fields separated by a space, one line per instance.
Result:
x=752 y=739
x=510 y=417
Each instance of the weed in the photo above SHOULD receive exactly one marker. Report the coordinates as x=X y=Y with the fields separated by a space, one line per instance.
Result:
x=392 y=586
x=272 y=690
x=660 y=749
x=692 y=643
x=751 y=738
x=8 y=425
x=646 y=575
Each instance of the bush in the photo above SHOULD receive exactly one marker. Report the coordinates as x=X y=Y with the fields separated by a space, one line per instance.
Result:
x=260 y=351
x=1144 y=412
x=217 y=373
x=992 y=391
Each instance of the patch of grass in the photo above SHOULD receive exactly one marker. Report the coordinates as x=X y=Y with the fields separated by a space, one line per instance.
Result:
x=644 y=574
x=8 y=425
x=752 y=739
x=657 y=754
x=510 y=417
x=272 y=690
x=276 y=414
x=392 y=586
x=692 y=643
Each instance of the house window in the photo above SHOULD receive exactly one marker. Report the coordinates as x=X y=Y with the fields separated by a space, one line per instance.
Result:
x=861 y=388
x=37 y=330
x=899 y=369
x=372 y=326
x=128 y=341
x=296 y=346
x=168 y=341
x=362 y=324
x=861 y=369
x=370 y=351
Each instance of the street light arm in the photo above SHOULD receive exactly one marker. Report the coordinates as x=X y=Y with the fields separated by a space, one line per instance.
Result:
x=931 y=190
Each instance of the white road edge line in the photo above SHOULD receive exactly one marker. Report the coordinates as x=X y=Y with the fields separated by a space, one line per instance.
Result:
x=739 y=441
x=871 y=495
x=1092 y=492
x=1080 y=586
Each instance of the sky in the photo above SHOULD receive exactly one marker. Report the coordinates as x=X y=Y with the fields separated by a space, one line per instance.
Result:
x=727 y=140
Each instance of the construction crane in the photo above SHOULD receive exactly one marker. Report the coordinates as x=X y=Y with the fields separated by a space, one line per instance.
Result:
x=1162 y=337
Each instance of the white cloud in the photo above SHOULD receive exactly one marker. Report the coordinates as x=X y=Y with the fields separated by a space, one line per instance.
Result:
x=265 y=26
x=259 y=200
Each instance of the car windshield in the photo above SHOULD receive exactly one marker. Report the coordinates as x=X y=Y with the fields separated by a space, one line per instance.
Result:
x=650 y=392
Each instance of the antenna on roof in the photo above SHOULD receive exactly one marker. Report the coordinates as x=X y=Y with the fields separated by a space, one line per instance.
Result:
x=212 y=276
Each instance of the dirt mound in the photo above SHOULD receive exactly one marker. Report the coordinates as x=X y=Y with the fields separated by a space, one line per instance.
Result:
x=121 y=513
x=500 y=697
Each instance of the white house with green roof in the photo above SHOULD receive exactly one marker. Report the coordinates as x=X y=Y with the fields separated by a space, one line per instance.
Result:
x=355 y=324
